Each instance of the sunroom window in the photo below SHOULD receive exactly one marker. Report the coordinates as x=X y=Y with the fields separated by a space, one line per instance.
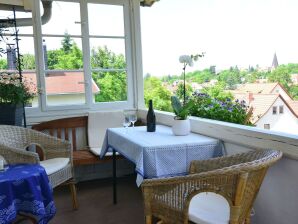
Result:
x=9 y=55
x=84 y=55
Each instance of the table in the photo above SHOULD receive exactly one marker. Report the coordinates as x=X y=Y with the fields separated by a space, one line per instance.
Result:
x=158 y=154
x=25 y=188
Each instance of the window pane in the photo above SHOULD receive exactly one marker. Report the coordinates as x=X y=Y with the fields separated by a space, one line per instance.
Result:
x=65 y=88
x=65 y=19
x=9 y=64
x=63 y=53
x=107 y=53
x=105 y=20
x=112 y=84
x=19 y=15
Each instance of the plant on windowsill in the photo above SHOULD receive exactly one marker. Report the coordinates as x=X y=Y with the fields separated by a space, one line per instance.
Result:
x=181 y=124
x=13 y=93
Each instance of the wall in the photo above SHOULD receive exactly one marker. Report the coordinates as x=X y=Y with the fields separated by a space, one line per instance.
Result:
x=286 y=122
x=282 y=92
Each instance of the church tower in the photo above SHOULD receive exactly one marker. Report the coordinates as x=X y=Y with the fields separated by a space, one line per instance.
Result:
x=274 y=62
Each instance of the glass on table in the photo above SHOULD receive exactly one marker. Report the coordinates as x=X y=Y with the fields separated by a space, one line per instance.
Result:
x=132 y=116
x=126 y=121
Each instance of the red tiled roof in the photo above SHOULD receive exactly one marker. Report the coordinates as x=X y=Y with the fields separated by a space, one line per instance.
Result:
x=62 y=82
x=262 y=88
x=260 y=103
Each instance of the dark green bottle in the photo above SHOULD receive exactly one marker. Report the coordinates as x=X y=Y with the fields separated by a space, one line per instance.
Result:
x=151 y=120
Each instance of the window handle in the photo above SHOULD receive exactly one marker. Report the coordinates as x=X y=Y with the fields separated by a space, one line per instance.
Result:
x=79 y=22
x=86 y=83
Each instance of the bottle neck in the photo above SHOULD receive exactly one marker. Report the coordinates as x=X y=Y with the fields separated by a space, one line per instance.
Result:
x=150 y=105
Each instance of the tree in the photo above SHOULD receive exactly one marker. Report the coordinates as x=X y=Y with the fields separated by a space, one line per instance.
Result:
x=112 y=84
x=281 y=75
x=230 y=77
x=153 y=90
x=180 y=90
x=294 y=92
x=28 y=62
x=3 y=64
x=67 y=43
x=218 y=92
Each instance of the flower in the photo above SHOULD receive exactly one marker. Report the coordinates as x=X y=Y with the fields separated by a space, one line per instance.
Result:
x=186 y=59
x=13 y=91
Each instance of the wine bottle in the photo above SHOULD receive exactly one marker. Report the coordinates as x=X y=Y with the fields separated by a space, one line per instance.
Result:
x=151 y=120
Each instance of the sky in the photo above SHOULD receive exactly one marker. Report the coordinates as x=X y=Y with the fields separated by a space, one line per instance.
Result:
x=230 y=32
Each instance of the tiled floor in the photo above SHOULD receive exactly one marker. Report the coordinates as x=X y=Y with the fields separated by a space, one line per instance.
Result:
x=95 y=203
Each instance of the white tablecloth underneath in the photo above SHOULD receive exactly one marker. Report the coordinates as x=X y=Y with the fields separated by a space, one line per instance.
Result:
x=160 y=153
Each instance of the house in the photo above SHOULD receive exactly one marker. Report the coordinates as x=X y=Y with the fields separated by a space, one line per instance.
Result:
x=61 y=87
x=271 y=111
x=263 y=88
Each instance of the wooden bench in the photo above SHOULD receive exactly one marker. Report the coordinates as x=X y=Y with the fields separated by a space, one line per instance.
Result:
x=67 y=128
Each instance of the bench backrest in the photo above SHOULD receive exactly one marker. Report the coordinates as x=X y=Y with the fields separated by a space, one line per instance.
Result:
x=66 y=128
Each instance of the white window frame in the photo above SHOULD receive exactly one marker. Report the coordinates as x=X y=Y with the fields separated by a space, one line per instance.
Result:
x=129 y=48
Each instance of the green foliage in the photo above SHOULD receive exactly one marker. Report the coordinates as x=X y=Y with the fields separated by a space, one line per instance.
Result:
x=181 y=111
x=218 y=92
x=201 y=76
x=294 y=92
x=180 y=90
x=153 y=89
x=28 y=62
x=66 y=43
x=282 y=75
x=13 y=91
x=223 y=110
x=102 y=57
x=112 y=86
x=230 y=77
x=3 y=64
x=59 y=59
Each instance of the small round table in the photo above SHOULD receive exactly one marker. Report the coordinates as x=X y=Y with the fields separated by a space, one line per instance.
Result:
x=25 y=189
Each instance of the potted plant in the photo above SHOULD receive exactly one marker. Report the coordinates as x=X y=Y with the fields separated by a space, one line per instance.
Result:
x=14 y=93
x=181 y=124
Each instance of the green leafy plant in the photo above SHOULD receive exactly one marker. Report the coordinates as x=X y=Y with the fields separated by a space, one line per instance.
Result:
x=13 y=91
x=220 y=109
x=181 y=111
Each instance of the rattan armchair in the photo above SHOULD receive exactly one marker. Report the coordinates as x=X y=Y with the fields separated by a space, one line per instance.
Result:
x=237 y=178
x=14 y=142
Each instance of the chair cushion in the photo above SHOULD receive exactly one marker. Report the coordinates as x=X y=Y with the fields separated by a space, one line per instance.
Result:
x=209 y=208
x=53 y=165
x=97 y=151
x=98 y=122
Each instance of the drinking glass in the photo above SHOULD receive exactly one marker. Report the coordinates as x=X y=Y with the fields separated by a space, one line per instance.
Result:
x=133 y=118
x=126 y=121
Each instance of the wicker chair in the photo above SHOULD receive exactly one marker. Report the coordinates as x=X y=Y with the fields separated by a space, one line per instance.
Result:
x=236 y=179
x=57 y=154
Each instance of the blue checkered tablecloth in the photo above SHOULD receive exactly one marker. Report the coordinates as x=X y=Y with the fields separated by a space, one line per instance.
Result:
x=25 y=188
x=160 y=153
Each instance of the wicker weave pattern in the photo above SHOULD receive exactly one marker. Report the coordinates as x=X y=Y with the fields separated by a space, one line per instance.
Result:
x=237 y=178
x=14 y=140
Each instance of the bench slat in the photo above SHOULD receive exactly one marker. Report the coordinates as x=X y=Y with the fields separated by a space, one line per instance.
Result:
x=66 y=134
x=74 y=139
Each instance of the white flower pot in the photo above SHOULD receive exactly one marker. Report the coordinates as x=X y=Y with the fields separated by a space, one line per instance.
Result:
x=181 y=127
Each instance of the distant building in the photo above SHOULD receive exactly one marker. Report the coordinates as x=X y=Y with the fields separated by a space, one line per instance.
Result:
x=62 y=87
x=263 y=88
x=274 y=62
x=272 y=107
